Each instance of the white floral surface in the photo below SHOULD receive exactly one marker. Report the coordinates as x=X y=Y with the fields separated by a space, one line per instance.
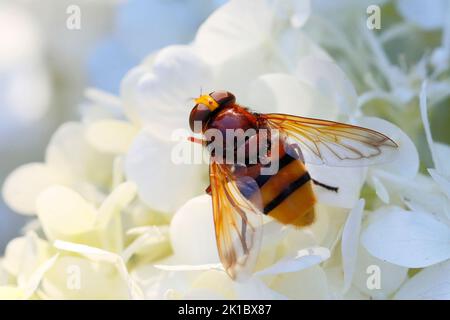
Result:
x=41 y=79
x=115 y=218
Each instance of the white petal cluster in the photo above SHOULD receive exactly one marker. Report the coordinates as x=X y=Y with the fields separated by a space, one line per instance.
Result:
x=115 y=217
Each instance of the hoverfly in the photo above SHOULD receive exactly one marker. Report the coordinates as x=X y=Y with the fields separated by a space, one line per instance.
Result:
x=241 y=193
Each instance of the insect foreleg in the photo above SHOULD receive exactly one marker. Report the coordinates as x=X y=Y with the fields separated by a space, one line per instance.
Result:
x=323 y=185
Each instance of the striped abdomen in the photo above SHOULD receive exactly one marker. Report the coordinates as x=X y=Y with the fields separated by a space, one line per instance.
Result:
x=288 y=195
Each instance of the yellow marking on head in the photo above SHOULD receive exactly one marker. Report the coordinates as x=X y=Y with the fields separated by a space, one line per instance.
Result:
x=208 y=101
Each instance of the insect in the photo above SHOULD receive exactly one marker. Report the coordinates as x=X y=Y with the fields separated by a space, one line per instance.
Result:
x=242 y=193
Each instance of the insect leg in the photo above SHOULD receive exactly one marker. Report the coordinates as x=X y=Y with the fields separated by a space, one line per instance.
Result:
x=196 y=140
x=294 y=151
x=323 y=185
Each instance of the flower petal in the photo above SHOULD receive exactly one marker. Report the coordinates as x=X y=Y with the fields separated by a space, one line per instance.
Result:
x=321 y=225
x=328 y=78
x=111 y=136
x=336 y=219
x=240 y=33
x=192 y=232
x=336 y=283
x=148 y=163
x=407 y=238
x=120 y=197
x=419 y=194
x=100 y=105
x=443 y=182
x=255 y=288
x=70 y=153
x=159 y=97
x=36 y=278
x=279 y=92
x=294 y=44
x=430 y=283
x=301 y=9
x=350 y=242
x=151 y=244
x=442 y=164
x=236 y=27
x=426 y=124
x=304 y=258
x=74 y=277
x=24 y=254
x=101 y=256
x=24 y=184
x=405 y=160
x=216 y=282
x=64 y=214
x=380 y=189
x=310 y=283
x=368 y=267
x=159 y=284
x=187 y=267
x=11 y=293
x=108 y=221
x=349 y=188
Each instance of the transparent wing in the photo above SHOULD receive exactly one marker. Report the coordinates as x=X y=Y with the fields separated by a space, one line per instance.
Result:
x=238 y=223
x=333 y=143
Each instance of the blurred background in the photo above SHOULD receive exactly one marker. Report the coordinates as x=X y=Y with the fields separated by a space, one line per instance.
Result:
x=52 y=50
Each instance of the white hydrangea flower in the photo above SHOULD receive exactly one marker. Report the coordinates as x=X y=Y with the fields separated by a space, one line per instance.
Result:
x=430 y=284
x=69 y=160
x=195 y=260
x=372 y=64
x=420 y=237
x=89 y=246
x=161 y=244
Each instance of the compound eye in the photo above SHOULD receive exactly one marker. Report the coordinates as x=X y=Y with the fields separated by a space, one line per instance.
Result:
x=223 y=98
x=199 y=117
